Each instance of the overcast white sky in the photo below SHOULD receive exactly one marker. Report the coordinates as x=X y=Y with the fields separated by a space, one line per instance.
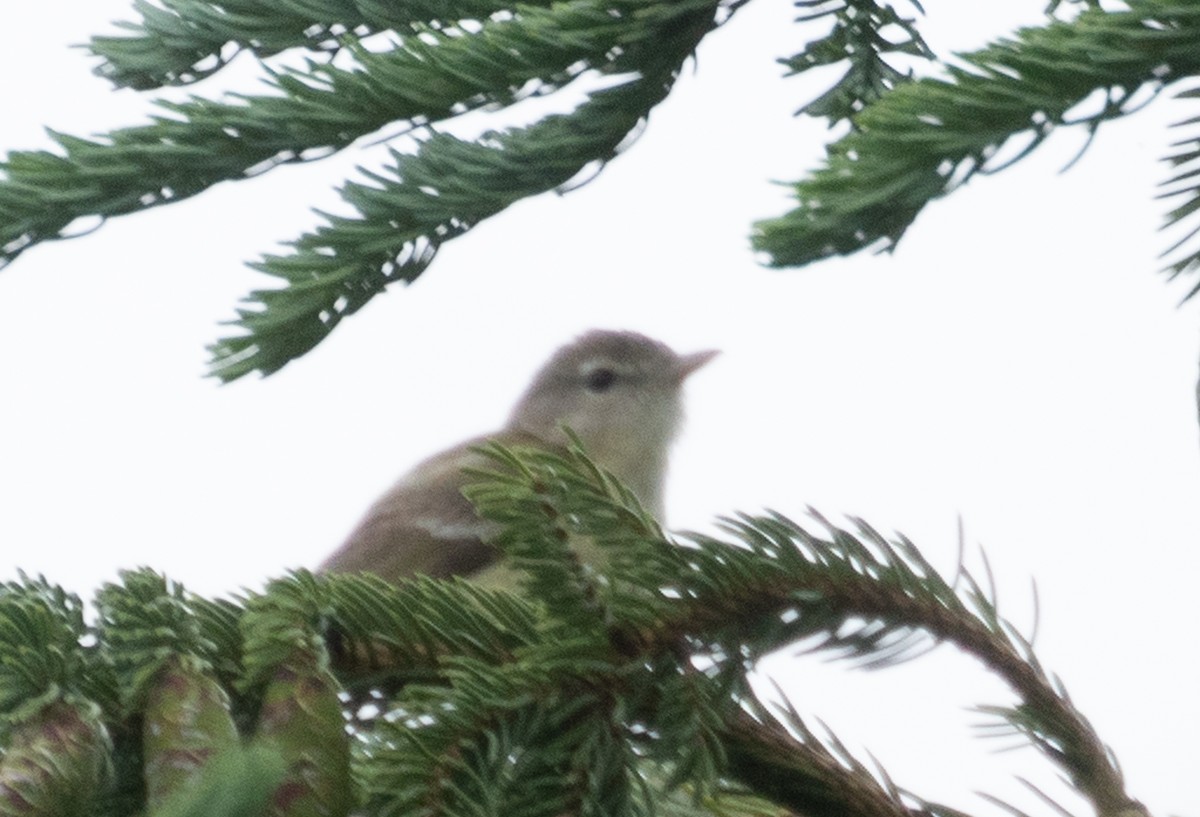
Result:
x=1016 y=363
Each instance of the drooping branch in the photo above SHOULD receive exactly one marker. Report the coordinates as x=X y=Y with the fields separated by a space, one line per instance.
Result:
x=422 y=79
x=418 y=204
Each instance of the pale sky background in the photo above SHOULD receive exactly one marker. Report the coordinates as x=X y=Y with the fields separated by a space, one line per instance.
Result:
x=1017 y=363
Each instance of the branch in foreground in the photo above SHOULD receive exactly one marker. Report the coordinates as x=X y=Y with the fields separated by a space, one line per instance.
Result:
x=824 y=582
x=574 y=700
x=851 y=591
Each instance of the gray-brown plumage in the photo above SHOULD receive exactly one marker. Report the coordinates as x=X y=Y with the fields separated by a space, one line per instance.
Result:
x=620 y=392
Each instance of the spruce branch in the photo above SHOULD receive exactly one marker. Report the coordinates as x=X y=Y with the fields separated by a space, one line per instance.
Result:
x=541 y=499
x=690 y=720
x=301 y=714
x=819 y=778
x=1184 y=187
x=219 y=624
x=42 y=657
x=55 y=763
x=861 y=37
x=55 y=758
x=849 y=591
x=147 y=622
x=422 y=79
x=187 y=40
x=425 y=199
x=625 y=692
x=923 y=139
x=386 y=636
x=284 y=621
x=402 y=215
x=812 y=586
x=496 y=741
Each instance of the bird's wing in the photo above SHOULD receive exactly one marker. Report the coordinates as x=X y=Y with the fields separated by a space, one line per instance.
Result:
x=424 y=525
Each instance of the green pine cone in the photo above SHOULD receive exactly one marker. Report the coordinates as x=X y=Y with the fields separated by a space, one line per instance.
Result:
x=185 y=722
x=302 y=718
x=55 y=765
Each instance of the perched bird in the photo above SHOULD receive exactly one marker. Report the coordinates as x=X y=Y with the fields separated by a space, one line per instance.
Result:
x=619 y=392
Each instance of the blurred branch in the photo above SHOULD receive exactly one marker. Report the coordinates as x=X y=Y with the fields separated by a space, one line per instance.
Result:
x=1184 y=187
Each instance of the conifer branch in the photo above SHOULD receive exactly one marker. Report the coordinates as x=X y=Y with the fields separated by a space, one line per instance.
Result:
x=583 y=668
x=425 y=199
x=402 y=215
x=1184 y=187
x=55 y=764
x=147 y=623
x=923 y=139
x=55 y=758
x=422 y=79
x=387 y=636
x=41 y=627
x=861 y=37
x=604 y=696
x=817 y=778
x=186 y=40
x=300 y=718
x=809 y=586
x=776 y=583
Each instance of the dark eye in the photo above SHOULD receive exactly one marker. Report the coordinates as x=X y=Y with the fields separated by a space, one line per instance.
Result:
x=600 y=380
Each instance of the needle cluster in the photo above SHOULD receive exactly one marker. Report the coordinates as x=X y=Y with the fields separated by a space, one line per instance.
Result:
x=613 y=686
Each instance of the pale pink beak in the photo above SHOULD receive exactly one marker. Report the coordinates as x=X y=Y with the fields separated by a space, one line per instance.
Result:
x=691 y=362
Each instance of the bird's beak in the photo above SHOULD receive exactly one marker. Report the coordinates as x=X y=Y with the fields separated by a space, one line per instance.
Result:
x=691 y=362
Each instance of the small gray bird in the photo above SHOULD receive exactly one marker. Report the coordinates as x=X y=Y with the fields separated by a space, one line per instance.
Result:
x=620 y=392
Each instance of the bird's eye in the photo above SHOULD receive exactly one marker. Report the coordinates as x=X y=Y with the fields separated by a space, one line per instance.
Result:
x=600 y=380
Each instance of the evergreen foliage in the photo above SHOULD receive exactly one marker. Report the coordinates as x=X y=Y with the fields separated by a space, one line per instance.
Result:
x=859 y=38
x=369 y=65
x=924 y=139
x=429 y=63
x=618 y=688
x=615 y=688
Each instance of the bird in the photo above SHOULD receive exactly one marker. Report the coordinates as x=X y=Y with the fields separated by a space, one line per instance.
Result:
x=618 y=392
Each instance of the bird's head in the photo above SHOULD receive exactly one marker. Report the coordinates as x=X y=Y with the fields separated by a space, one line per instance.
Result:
x=621 y=393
